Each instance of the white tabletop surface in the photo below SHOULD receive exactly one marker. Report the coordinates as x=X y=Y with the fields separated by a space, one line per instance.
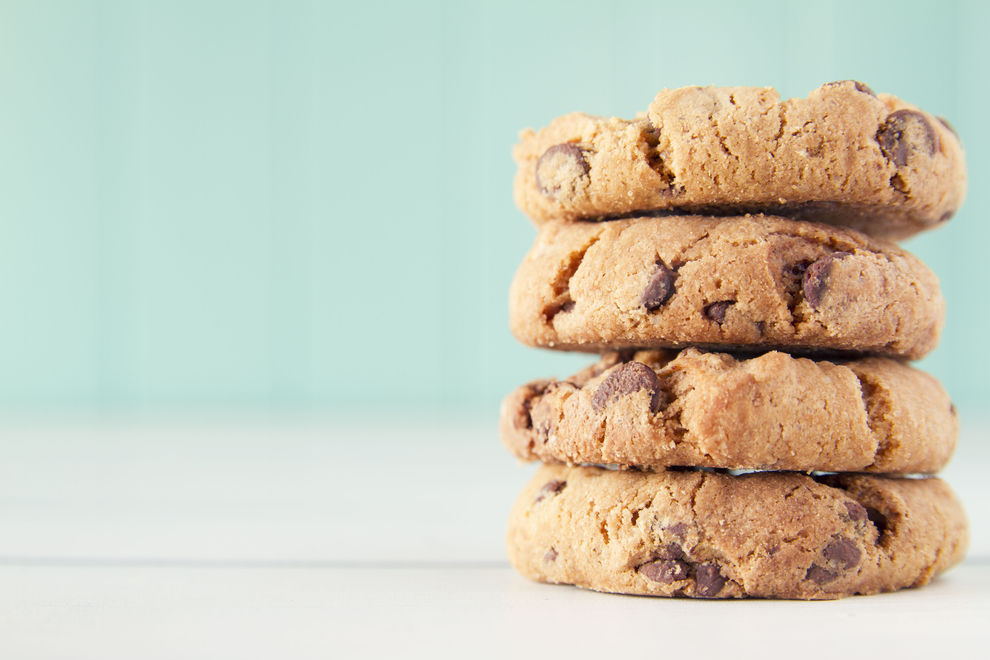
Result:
x=332 y=540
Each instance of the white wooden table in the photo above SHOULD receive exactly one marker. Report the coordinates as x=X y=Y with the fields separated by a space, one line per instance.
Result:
x=334 y=540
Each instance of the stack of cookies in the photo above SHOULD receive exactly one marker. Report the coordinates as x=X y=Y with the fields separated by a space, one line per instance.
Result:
x=752 y=427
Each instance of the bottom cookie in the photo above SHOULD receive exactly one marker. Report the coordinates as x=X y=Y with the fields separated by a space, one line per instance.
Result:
x=704 y=534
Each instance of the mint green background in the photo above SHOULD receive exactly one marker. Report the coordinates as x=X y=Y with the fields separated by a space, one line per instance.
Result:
x=306 y=206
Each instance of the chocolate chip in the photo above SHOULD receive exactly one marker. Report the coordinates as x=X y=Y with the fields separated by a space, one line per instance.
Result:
x=672 y=551
x=814 y=282
x=860 y=87
x=651 y=138
x=716 y=311
x=626 y=379
x=857 y=512
x=905 y=132
x=945 y=217
x=550 y=488
x=708 y=580
x=523 y=418
x=878 y=519
x=659 y=289
x=952 y=409
x=543 y=432
x=551 y=555
x=665 y=571
x=945 y=122
x=561 y=165
x=842 y=551
x=819 y=574
x=863 y=87
x=679 y=530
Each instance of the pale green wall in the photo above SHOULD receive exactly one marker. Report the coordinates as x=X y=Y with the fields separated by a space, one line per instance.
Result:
x=307 y=205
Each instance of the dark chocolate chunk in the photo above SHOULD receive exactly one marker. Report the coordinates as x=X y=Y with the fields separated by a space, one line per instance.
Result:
x=819 y=574
x=551 y=555
x=523 y=418
x=708 y=580
x=665 y=571
x=559 y=164
x=945 y=122
x=716 y=310
x=543 y=432
x=857 y=511
x=659 y=289
x=860 y=87
x=863 y=87
x=905 y=132
x=679 y=530
x=842 y=551
x=814 y=282
x=651 y=138
x=550 y=488
x=625 y=379
x=672 y=551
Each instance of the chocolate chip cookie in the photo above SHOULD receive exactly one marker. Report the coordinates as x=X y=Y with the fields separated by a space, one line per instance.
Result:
x=758 y=282
x=710 y=535
x=844 y=156
x=655 y=409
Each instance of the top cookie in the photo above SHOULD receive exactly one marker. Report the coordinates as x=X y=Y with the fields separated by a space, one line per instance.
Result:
x=843 y=156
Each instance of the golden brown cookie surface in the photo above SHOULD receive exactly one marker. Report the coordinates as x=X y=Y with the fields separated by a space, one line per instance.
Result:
x=710 y=535
x=754 y=282
x=843 y=155
x=657 y=409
